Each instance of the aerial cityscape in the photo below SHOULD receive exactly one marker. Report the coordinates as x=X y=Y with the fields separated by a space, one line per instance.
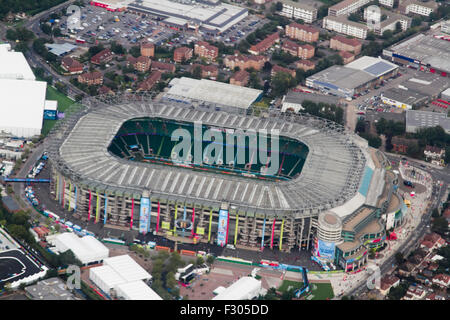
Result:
x=225 y=150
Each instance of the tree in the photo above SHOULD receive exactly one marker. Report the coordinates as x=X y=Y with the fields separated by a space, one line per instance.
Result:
x=199 y=261
x=353 y=17
x=279 y=6
x=440 y=225
x=281 y=83
x=135 y=51
x=387 y=34
x=360 y=126
x=46 y=28
x=197 y=72
x=210 y=259
x=399 y=258
x=416 y=21
x=370 y=36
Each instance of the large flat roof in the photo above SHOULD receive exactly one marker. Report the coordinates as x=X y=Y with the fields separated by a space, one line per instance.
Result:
x=240 y=290
x=427 y=49
x=405 y=96
x=136 y=290
x=127 y=268
x=22 y=107
x=424 y=119
x=13 y=65
x=377 y=67
x=331 y=175
x=342 y=77
x=220 y=16
x=213 y=92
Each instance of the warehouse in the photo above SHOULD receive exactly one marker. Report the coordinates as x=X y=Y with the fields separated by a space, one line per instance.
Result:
x=87 y=249
x=246 y=288
x=416 y=120
x=353 y=78
x=401 y=98
x=20 y=114
x=293 y=100
x=423 y=52
x=210 y=16
x=212 y=95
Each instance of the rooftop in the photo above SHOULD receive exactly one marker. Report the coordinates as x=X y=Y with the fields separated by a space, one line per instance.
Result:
x=405 y=96
x=49 y=289
x=427 y=49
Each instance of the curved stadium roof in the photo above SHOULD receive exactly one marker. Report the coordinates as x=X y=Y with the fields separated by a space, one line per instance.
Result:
x=331 y=175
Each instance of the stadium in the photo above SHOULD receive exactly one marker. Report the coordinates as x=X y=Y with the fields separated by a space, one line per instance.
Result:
x=111 y=164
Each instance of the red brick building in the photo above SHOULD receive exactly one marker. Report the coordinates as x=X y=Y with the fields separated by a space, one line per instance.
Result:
x=276 y=68
x=150 y=82
x=265 y=44
x=305 y=65
x=347 y=57
x=205 y=50
x=244 y=62
x=91 y=78
x=147 y=49
x=342 y=43
x=306 y=51
x=141 y=63
x=182 y=54
x=240 y=78
x=71 y=65
x=103 y=56
x=163 y=67
x=290 y=47
x=302 y=32
x=209 y=71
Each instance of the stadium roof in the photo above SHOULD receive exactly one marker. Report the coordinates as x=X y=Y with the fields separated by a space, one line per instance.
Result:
x=331 y=175
x=21 y=114
x=136 y=290
x=374 y=66
x=213 y=92
x=242 y=289
x=127 y=268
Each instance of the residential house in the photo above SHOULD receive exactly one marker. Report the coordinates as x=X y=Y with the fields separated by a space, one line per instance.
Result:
x=182 y=54
x=417 y=292
x=441 y=280
x=434 y=154
x=103 y=56
x=305 y=65
x=276 y=68
x=91 y=78
x=150 y=81
x=388 y=282
x=147 y=49
x=347 y=57
x=342 y=43
x=163 y=67
x=265 y=44
x=141 y=63
x=205 y=50
x=244 y=62
x=71 y=65
x=240 y=78
x=207 y=71
x=302 y=32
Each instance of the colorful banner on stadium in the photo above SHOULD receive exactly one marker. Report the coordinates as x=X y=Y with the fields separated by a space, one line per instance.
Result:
x=144 y=217
x=165 y=225
x=200 y=230
x=326 y=250
x=222 y=227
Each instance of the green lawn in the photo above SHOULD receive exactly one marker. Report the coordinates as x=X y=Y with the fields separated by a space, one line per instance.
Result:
x=320 y=291
x=64 y=103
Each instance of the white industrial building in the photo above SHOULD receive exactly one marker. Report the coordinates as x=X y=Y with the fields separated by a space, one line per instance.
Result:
x=213 y=95
x=21 y=114
x=87 y=249
x=246 y=288
x=122 y=277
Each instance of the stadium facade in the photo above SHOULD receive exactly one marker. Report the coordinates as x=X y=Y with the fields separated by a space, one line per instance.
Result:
x=340 y=174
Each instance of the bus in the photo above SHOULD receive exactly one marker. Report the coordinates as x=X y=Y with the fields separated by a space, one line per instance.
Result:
x=188 y=278
x=184 y=271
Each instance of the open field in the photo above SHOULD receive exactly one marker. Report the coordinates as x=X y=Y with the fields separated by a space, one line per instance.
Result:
x=320 y=291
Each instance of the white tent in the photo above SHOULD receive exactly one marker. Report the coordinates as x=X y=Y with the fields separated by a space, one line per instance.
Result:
x=105 y=278
x=246 y=288
x=136 y=290
x=127 y=268
x=87 y=250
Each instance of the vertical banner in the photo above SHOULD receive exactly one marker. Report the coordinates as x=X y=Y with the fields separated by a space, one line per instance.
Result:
x=57 y=189
x=222 y=229
x=157 y=217
x=175 y=219
x=97 y=208
x=75 y=199
x=105 y=216
x=63 y=192
x=263 y=232
x=184 y=215
x=70 y=195
x=273 y=232
x=281 y=234
x=144 y=215
x=193 y=220
x=90 y=202
x=209 y=228
x=132 y=213
x=236 y=229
